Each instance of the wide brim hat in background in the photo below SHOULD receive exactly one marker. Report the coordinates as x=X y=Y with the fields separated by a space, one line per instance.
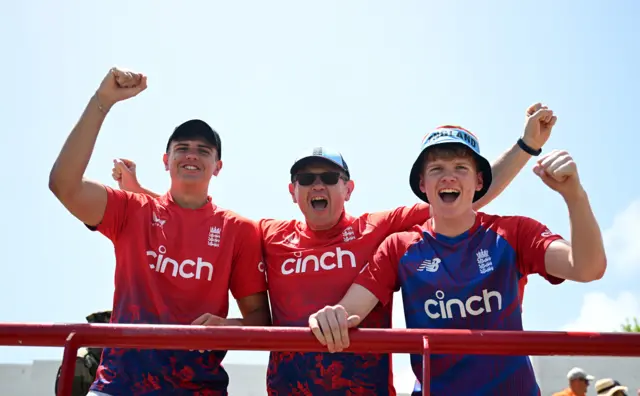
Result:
x=608 y=386
x=449 y=135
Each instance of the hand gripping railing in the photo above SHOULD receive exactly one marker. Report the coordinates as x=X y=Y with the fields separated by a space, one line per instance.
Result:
x=424 y=342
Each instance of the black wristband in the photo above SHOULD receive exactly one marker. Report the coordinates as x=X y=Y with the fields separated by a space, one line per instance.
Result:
x=528 y=149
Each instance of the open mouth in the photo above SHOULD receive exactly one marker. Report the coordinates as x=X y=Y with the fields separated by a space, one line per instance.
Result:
x=190 y=167
x=319 y=203
x=449 y=195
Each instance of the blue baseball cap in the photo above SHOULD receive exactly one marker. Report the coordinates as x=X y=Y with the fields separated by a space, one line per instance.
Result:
x=449 y=135
x=320 y=154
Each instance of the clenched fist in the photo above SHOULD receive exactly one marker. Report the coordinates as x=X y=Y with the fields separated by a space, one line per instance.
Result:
x=539 y=121
x=558 y=171
x=118 y=85
x=124 y=172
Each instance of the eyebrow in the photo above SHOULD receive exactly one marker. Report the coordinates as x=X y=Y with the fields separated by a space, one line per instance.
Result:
x=200 y=145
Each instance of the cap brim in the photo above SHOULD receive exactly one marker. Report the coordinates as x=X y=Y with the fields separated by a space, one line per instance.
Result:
x=416 y=170
x=304 y=161
x=613 y=390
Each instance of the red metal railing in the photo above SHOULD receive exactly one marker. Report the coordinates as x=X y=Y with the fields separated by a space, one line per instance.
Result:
x=424 y=342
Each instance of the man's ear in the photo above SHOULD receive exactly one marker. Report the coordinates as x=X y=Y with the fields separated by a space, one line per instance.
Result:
x=218 y=167
x=165 y=159
x=351 y=185
x=421 y=184
x=292 y=191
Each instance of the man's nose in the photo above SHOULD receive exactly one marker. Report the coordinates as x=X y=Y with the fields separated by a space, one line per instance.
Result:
x=192 y=155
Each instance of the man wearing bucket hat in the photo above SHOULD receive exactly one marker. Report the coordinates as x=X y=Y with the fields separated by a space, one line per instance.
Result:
x=462 y=268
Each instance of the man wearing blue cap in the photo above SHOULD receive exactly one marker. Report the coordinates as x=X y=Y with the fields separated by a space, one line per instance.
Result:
x=313 y=263
x=462 y=268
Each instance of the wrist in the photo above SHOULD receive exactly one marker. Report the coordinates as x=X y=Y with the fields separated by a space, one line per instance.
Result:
x=232 y=322
x=104 y=104
x=528 y=146
x=575 y=195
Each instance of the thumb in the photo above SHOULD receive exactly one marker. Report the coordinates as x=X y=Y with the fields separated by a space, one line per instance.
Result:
x=353 y=321
x=122 y=167
x=546 y=179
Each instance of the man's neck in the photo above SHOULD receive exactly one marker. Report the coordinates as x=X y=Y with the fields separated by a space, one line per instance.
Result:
x=326 y=226
x=452 y=227
x=189 y=198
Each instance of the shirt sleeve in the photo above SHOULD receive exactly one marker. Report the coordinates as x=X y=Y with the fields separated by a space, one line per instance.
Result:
x=402 y=218
x=120 y=204
x=533 y=240
x=380 y=274
x=248 y=273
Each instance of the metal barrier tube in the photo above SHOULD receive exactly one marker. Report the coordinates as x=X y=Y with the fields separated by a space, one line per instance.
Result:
x=426 y=367
x=65 y=383
x=301 y=339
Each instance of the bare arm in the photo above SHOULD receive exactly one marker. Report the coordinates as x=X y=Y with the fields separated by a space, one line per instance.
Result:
x=85 y=199
x=584 y=259
x=539 y=121
x=504 y=170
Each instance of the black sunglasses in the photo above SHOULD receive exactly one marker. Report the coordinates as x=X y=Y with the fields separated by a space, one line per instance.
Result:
x=328 y=178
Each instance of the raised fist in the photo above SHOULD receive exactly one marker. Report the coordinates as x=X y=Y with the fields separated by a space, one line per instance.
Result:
x=124 y=172
x=539 y=121
x=558 y=171
x=120 y=84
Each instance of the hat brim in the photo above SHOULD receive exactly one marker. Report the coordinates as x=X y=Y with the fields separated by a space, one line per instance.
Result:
x=613 y=390
x=416 y=170
x=304 y=161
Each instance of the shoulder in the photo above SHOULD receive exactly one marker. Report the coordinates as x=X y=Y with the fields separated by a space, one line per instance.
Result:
x=399 y=242
x=502 y=224
x=235 y=219
x=418 y=210
x=270 y=227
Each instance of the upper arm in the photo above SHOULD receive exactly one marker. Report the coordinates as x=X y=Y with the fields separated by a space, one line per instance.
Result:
x=535 y=244
x=558 y=261
x=248 y=269
x=87 y=203
x=255 y=303
x=402 y=218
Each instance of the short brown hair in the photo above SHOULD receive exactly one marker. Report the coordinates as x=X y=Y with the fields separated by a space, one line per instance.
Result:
x=448 y=151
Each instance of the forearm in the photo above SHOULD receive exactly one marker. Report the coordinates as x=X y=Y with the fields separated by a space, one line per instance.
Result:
x=68 y=170
x=587 y=248
x=504 y=169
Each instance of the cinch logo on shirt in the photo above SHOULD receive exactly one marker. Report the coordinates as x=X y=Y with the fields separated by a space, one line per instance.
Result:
x=327 y=261
x=186 y=269
x=474 y=305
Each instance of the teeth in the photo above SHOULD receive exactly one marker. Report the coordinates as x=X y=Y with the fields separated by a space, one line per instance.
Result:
x=449 y=190
x=190 y=167
x=318 y=199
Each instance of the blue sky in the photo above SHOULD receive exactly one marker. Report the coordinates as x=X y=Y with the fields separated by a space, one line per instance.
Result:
x=367 y=77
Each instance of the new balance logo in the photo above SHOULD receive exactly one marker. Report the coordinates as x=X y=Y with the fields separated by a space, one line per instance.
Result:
x=430 y=265
x=214 y=237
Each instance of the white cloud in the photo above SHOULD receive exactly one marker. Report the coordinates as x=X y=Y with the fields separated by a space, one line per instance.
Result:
x=602 y=313
x=621 y=239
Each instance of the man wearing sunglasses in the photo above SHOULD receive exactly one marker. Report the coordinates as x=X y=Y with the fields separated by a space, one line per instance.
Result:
x=311 y=264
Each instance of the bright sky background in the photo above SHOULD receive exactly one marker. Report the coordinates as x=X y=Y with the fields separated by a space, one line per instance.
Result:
x=367 y=77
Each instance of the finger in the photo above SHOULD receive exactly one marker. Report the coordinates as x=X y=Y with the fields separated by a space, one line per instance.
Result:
x=326 y=330
x=129 y=163
x=122 y=167
x=546 y=179
x=557 y=162
x=353 y=321
x=117 y=176
x=212 y=320
x=540 y=114
x=201 y=319
x=343 y=326
x=533 y=108
x=553 y=121
x=315 y=329
x=332 y=318
x=547 y=116
x=547 y=159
